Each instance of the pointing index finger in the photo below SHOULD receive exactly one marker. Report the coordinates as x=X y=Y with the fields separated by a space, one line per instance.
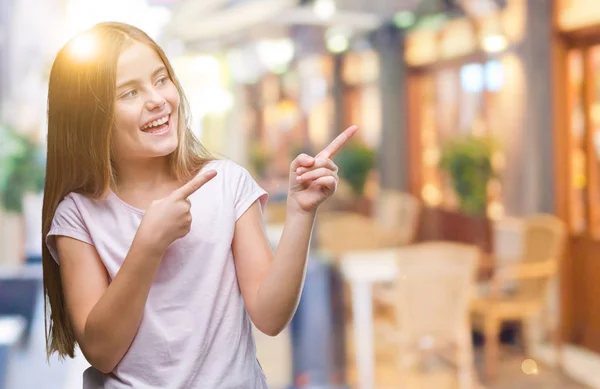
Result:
x=194 y=184
x=339 y=142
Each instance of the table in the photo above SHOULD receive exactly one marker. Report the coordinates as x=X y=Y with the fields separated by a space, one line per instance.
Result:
x=11 y=330
x=361 y=270
x=22 y=272
x=20 y=290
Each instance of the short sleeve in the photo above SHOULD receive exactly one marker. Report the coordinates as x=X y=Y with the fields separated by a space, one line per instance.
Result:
x=246 y=191
x=67 y=221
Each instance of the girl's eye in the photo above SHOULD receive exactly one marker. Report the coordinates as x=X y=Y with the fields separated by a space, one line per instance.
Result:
x=131 y=93
x=162 y=80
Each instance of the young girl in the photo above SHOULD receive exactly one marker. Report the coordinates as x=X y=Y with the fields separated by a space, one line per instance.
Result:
x=156 y=261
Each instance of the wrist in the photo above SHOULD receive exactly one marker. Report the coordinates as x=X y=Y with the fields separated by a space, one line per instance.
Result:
x=294 y=212
x=152 y=246
x=143 y=258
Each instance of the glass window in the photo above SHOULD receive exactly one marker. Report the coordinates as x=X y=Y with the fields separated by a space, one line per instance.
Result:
x=593 y=139
x=454 y=101
x=577 y=142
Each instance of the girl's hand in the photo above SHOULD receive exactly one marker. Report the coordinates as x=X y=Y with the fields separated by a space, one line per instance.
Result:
x=170 y=219
x=314 y=180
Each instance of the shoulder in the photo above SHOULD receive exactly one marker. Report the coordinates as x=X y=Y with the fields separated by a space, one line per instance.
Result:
x=76 y=206
x=69 y=215
x=69 y=220
x=226 y=166
x=238 y=183
x=77 y=200
x=69 y=206
x=228 y=171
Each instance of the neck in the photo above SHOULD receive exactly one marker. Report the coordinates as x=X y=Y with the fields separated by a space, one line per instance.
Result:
x=145 y=175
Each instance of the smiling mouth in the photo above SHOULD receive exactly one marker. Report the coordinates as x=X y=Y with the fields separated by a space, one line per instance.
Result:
x=157 y=126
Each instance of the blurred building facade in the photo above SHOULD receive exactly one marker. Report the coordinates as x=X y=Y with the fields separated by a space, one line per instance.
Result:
x=267 y=79
x=414 y=76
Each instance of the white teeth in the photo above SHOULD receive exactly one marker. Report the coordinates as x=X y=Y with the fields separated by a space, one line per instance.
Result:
x=156 y=123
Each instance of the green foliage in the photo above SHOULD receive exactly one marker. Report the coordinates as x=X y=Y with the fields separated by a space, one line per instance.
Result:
x=259 y=158
x=468 y=162
x=22 y=168
x=300 y=148
x=355 y=161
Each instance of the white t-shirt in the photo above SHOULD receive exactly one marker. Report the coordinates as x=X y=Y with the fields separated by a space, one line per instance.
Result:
x=195 y=332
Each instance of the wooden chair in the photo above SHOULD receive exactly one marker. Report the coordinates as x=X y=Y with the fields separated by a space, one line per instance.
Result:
x=544 y=238
x=431 y=297
x=340 y=232
x=398 y=213
x=394 y=224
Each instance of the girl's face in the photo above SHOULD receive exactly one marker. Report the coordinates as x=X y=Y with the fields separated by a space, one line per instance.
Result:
x=146 y=106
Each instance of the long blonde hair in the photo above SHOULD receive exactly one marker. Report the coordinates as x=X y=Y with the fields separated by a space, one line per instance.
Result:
x=81 y=98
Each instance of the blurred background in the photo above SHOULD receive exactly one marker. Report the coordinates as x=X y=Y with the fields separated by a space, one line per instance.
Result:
x=461 y=249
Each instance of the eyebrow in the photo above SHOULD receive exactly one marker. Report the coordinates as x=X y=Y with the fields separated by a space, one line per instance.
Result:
x=130 y=82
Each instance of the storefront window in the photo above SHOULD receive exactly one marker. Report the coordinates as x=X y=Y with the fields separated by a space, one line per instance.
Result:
x=593 y=139
x=578 y=152
x=584 y=139
x=472 y=89
x=360 y=74
x=494 y=76
x=431 y=190
x=455 y=101
x=577 y=131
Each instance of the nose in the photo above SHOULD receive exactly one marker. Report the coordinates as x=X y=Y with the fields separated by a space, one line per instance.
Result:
x=155 y=101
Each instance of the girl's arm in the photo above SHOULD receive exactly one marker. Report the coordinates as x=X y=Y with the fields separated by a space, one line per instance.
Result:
x=272 y=284
x=106 y=316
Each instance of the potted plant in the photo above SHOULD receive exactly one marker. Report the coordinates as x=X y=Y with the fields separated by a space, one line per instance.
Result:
x=355 y=162
x=468 y=163
x=259 y=159
x=22 y=172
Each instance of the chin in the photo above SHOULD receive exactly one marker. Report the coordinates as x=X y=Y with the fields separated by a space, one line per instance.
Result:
x=167 y=148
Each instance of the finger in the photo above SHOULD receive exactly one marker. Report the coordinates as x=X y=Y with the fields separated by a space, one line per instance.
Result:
x=319 y=162
x=302 y=160
x=193 y=185
x=328 y=184
x=314 y=174
x=338 y=143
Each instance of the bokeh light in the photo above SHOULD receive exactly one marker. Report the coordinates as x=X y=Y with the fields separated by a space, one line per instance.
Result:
x=529 y=367
x=84 y=46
